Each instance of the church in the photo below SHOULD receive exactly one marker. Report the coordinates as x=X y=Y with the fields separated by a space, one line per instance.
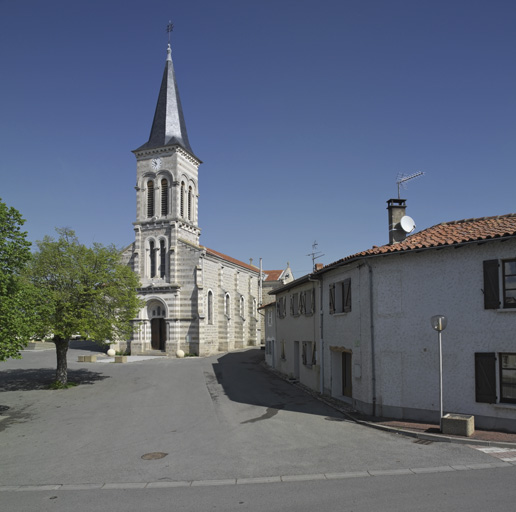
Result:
x=197 y=301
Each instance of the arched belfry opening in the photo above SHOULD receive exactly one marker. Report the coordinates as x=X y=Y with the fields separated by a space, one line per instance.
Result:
x=157 y=312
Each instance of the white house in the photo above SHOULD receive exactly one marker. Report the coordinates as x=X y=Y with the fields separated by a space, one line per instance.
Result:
x=375 y=347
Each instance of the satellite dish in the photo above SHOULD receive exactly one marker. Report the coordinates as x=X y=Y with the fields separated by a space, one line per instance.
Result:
x=407 y=224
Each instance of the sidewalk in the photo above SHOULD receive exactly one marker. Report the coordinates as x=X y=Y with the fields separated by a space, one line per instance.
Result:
x=431 y=432
x=424 y=431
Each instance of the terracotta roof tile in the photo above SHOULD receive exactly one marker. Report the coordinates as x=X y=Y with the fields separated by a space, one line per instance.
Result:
x=273 y=275
x=447 y=234
x=232 y=260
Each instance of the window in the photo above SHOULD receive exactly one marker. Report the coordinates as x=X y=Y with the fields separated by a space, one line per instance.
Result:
x=150 y=199
x=340 y=297
x=485 y=377
x=242 y=306
x=308 y=354
x=281 y=307
x=162 y=259
x=152 y=256
x=307 y=302
x=509 y=284
x=508 y=378
x=189 y=203
x=294 y=304
x=164 y=198
x=182 y=201
x=210 y=307
x=492 y=284
x=227 y=306
x=269 y=317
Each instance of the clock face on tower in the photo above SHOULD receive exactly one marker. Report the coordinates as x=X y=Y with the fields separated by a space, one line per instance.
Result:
x=156 y=163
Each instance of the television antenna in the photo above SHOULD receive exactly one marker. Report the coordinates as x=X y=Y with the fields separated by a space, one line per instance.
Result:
x=315 y=254
x=403 y=178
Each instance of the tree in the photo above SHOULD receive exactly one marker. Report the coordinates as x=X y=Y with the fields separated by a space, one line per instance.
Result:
x=87 y=290
x=17 y=296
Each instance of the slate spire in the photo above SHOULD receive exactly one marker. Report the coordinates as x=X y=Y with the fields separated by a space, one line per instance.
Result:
x=168 y=126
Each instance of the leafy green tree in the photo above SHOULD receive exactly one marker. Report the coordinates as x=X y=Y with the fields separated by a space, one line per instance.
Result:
x=88 y=291
x=17 y=297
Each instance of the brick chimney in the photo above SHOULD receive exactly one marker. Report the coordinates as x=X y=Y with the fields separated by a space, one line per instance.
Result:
x=396 y=208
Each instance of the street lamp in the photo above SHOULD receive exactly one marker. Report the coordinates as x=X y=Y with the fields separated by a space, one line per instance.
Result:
x=439 y=324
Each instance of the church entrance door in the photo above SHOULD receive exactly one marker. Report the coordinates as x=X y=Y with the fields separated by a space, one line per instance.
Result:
x=158 y=333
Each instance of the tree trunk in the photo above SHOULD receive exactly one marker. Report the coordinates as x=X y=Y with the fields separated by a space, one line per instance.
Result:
x=62 y=368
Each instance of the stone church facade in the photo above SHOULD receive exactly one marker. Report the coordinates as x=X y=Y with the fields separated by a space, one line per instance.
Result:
x=197 y=300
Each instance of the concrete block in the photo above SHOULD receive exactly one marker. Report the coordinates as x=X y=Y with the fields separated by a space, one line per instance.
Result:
x=458 y=424
x=90 y=359
x=120 y=359
x=80 y=359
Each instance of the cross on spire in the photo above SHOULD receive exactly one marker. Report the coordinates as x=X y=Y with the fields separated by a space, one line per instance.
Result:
x=170 y=27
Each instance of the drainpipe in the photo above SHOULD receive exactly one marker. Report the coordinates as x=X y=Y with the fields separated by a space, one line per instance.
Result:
x=371 y=323
x=321 y=337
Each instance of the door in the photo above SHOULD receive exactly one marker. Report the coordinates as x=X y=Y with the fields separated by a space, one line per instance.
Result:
x=158 y=334
x=346 y=374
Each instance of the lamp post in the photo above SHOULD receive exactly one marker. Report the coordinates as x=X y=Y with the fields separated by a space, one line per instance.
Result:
x=439 y=324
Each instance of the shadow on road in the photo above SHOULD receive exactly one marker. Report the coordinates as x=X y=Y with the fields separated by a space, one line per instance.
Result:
x=34 y=379
x=244 y=379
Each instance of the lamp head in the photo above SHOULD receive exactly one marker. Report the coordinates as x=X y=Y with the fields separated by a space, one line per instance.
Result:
x=439 y=322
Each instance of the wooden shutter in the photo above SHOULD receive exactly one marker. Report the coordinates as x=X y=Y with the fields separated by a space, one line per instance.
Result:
x=332 y=299
x=346 y=296
x=491 y=285
x=485 y=377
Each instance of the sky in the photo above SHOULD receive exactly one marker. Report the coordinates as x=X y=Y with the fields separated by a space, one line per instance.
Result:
x=304 y=113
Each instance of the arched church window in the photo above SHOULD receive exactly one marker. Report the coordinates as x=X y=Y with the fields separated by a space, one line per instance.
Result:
x=152 y=256
x=150 y=199
x=164 y=198
x=227 y=308
x=162 y=259
x=189 y=203
x=182 y=199
x=210 y=307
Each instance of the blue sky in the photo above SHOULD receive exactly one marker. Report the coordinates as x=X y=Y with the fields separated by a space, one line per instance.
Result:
x=303 y=112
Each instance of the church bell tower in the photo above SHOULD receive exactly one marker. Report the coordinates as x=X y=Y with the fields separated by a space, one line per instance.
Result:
x=166 y=189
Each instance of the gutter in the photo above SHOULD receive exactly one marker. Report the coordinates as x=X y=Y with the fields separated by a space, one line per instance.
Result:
x=371 y=326
x=321 y=331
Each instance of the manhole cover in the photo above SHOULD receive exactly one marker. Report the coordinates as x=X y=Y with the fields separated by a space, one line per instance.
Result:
x=154 y=456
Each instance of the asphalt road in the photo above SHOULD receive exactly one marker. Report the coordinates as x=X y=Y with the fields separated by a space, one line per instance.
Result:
x=227 y=431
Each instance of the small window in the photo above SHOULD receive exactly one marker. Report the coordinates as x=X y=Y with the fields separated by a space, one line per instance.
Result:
x=182 y=201
x=164 y=198
x=152 y=257
x=281 y=307
x=269 y=317
x=492 y=279
x=227 y=305
x=340 y=297
x=308 y=354
x=294 y=304
x=508 y=378
x=242 y=306
x=162 y=259
x=150 y=199
x=210 y=307
x=509 y=284
x=190 y=199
